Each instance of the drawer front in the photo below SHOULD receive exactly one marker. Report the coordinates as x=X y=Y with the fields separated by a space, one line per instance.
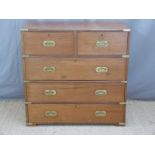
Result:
x=75 y=69
x=76 y=113
x=102 y=43
x=94 y=92
x=48 y=43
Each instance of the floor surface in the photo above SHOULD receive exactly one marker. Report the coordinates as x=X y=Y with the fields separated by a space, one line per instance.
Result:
x=140 y=120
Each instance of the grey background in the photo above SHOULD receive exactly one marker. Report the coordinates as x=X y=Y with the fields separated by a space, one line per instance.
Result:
x=141 y=79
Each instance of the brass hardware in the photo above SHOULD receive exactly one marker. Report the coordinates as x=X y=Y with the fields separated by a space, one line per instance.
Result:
x=102 y=69
x=124 y=81
x=49 y=69
x=121 y=124
x=51 y=113
x=49 y=43
x=122 y=103
x=30 y=124
x=28 y=102
x=101 y=92
x=26 y=81
x=102 y=43
x=125 y=56
x=50 y=92
x=24 y=29
x=25 y=56
x=100 y=113
x=126 y=30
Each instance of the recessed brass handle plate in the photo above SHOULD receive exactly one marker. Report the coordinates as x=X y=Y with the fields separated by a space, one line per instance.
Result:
x=50 y=92
x=51 y=113
x=100 y=113
x=49 y=43
x=102 y=69
x=102 y=43
x=101 y=92
x=49 y=69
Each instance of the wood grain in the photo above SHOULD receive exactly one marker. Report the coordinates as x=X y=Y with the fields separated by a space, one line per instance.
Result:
x=74 y=25
x=75 y=80
x=76 y=113
x=75 y=92
x=87 y=43
x=75 y=68
x=33 y=43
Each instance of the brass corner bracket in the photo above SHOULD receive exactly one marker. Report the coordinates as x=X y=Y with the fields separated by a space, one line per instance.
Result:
x=26 y=81
x=30 y=124
x=25 y=56
x=126 y=30
x=125 y=56
x=28 y=102
x=24 y=29
x=121 y=124
x=124 y=81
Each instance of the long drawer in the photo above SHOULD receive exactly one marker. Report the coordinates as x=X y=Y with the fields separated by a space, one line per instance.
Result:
x=94 y=92
x=76 y=113
x=47 y=68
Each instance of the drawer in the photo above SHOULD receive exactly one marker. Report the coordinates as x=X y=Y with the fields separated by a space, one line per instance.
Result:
x=48 y=43
x=75 y=69
x=102 y=43
x=94 y=92
x=76 y=113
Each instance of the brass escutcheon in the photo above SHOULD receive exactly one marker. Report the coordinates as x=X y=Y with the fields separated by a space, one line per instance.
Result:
x=102 y=43
x=51 y=113
x=50 y=92
x=102 y=69
x=49 y=43
x=100 y=113
x=101 y=92
x=49 y=69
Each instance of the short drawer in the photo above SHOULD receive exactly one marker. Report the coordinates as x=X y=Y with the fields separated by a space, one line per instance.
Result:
x=102 y=43
x=76 y=113
x=94 y=92
x=48 y=43
x=37 y=68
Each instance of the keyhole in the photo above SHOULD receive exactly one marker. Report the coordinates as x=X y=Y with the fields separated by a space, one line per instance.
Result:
x=101 y=37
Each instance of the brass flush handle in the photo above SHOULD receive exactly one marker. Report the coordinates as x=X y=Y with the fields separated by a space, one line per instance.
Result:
x=51 y=113
x=100 y=113
x=102 y=43
x=49 y=69
x=50 y=92
x=49 y=43
x=102 y=69
x=101 y=92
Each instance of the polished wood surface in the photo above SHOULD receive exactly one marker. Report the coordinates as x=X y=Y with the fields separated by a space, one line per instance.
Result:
x=75 y=68
x=76 y=113
x=33 y=43
x=75 y=92
x=87 y=43
x=74 y=25
x=70 y=87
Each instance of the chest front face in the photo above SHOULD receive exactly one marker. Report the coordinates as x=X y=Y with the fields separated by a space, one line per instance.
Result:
x=75 y=73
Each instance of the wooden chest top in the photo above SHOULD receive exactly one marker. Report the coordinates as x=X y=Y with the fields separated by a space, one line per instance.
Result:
x=79 y=26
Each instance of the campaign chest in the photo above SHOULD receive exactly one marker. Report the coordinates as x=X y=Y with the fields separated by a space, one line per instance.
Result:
x=75 y=72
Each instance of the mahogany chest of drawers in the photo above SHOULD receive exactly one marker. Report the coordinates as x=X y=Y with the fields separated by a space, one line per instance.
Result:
x=75 y=72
